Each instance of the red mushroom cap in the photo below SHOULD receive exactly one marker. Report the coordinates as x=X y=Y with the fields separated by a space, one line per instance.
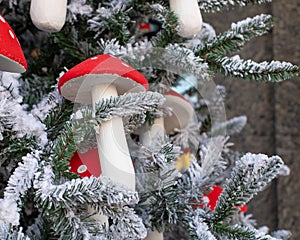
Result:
x=182 y=111
x=11 y=55
x=86 y=164
x=77 y=84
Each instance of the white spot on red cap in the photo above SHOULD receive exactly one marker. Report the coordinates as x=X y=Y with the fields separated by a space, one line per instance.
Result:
x=94 y=58
x=125 y=64
x=2 y=19
x=11 y=34
x=82 y=169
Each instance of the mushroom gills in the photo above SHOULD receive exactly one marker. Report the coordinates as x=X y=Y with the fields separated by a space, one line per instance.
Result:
x=8 y=65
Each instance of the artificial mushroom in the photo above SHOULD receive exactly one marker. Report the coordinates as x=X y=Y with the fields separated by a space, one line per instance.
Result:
x=181 y=115
x=11 y=55
x=48 y=15
x=86 y=164
x=189 y=16
x=102 y=77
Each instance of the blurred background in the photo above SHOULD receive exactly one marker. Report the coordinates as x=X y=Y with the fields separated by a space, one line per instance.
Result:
x=273 y=110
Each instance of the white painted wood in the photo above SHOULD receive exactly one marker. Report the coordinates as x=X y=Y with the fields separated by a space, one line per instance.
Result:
x=155 y=235
x=189 y=16
x=48 y=15
x=98 y=217
x=113 y=150
x=148 y=133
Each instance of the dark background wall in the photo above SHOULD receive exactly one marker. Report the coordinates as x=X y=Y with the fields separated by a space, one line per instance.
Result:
x=273 y=110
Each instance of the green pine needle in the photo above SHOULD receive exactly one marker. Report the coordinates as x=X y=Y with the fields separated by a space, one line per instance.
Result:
x=236 y=37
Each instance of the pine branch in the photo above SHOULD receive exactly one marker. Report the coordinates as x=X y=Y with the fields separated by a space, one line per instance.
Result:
x=60 y=202
x=159 y=203
x=196 y=225
x=128 y=105
x=236 y=37
x=112 y=19
x=80 y=191
x=211 y=161
x=250 y=175
x=56 y=119
x=192 y=183
x=168 y=33
x=61 y=151
x=233 y=232
x=218 y=5
x=65 y=223
x=10 y=233
x=126 y=225
x=274 y=71
x=22 y=177
x=234 y=125
x=188 y=136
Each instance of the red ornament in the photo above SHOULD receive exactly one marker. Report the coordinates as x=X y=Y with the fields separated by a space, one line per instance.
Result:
x=86 y=164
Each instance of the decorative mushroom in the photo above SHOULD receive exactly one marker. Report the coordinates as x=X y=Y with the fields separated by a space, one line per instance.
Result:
x=98 y=78
x=11 y=55
x=189 y=16
x=86 y=164
x=181 y=115
x=48 y=15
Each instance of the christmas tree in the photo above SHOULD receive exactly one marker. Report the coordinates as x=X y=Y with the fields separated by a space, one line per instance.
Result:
x=117 y=130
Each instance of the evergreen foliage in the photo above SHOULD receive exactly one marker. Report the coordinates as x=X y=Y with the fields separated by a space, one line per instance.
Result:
x=40 y=131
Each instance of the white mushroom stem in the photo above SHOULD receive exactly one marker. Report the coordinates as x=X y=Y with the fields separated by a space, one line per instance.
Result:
x=98 y=217
x=147 y=135
x=189 y=16
x=113 y=150
x=48 y=15
x=155 y=235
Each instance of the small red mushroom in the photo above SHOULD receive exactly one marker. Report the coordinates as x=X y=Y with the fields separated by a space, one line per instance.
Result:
x=89 y=82
x=86 y=164
x=11 y=55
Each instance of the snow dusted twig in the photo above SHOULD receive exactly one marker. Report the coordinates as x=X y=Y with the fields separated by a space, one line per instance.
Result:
x=12 y=113
x=17 y=187
x=218 y=5
x=234 y=125
x=236 y=37
x=274 y=71
x=250 y=175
